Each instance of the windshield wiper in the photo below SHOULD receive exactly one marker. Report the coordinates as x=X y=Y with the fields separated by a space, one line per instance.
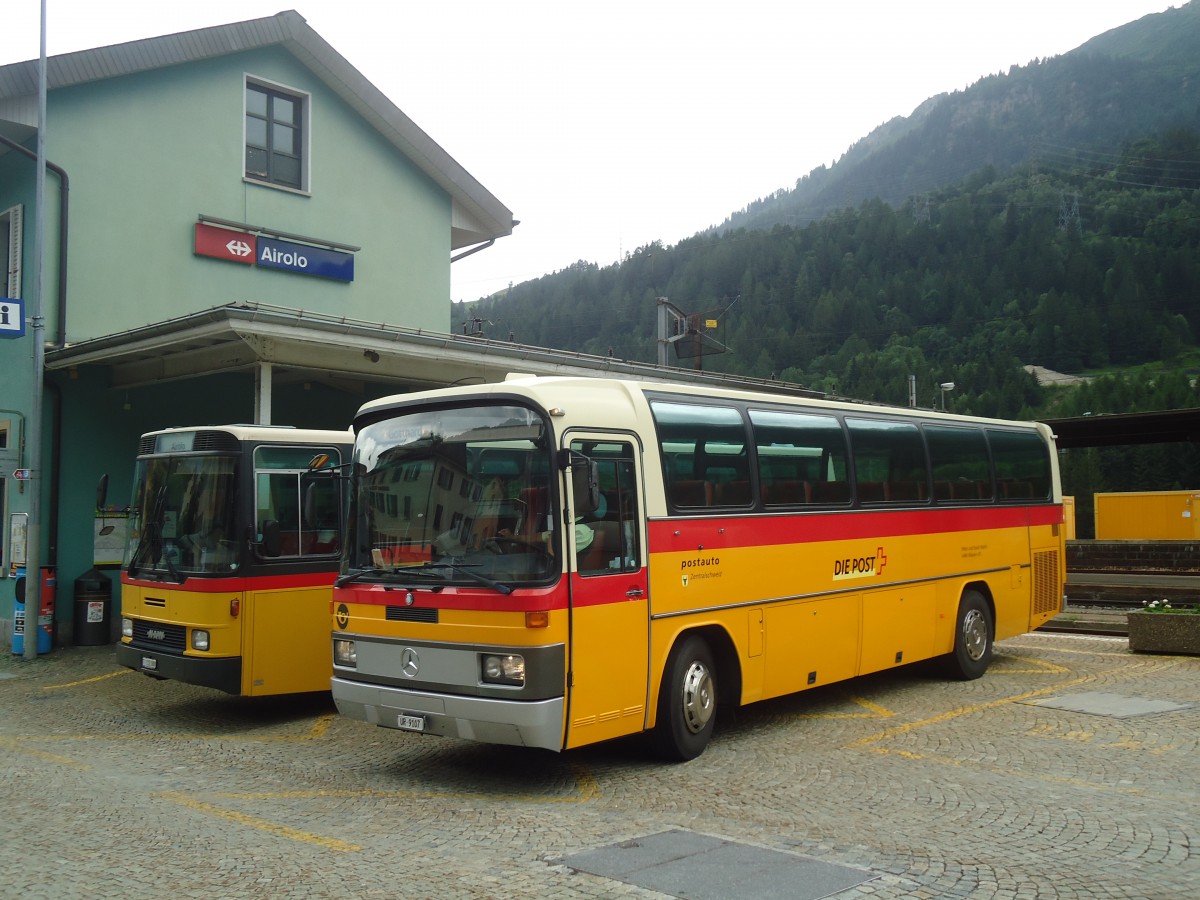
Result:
x=385 y=574
x=421 y=571
x=497 y=586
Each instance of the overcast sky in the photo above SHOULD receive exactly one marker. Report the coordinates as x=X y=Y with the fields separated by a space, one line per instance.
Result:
x=605 y=126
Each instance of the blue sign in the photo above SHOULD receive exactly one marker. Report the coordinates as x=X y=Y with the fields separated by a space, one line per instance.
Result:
x=305 y=259
x=12 y=317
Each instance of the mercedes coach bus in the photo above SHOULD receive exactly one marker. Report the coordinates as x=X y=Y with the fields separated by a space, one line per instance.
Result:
x=234 y=541
x=551 y=562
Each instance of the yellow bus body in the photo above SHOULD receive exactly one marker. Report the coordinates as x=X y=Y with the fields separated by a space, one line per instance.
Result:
x=269 y=639
x=783 y=599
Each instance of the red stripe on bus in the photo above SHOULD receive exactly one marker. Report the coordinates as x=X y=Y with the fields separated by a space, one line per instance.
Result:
x=473 y=598
x=750 y=530
x=767 y=530
x=226 y=585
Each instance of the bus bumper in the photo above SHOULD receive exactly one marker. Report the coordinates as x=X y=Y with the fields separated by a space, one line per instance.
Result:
x=537 y=723
x=222 y=674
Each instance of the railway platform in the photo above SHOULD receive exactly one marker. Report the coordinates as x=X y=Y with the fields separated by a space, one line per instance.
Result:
x=1070 y=770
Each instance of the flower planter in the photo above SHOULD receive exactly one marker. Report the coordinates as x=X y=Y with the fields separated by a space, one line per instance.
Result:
x=1164 y=632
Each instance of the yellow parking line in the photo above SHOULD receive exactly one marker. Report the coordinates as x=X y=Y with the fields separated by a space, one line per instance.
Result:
x=1039 y=665
x=962 y=711
x=284 y=831
x=321 y=726
x=71 y=684
x=874 y=711
x=17 y=746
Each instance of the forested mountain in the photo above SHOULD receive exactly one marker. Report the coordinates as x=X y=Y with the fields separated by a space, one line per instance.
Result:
x=1048 y=216
x=1129 y=82
x=1083 y=269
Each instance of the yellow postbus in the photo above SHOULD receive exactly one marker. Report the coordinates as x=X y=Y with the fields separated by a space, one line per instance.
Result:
x=551 y=562
x=233 y=546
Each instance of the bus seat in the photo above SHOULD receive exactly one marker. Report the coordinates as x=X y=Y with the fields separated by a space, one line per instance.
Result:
x=1017 y=490
x=904 y=491
x=830 y=492
x=323 y=541
x=872 y=491
x=731 y=493
x=692 y=492
x=964 y=490
x=605 y=546
x=790 y=491
x=533 y=500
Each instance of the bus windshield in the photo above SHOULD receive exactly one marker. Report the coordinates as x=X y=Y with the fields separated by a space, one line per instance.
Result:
x=183 y=516
x=458 y=496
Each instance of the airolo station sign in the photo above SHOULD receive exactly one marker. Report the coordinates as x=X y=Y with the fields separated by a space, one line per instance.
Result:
x=273 y=253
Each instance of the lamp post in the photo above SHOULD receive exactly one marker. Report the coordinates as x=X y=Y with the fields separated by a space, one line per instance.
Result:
x=946 y=387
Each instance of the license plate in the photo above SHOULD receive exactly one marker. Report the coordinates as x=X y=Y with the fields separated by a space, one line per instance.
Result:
x=149 y=663
x=406 y=722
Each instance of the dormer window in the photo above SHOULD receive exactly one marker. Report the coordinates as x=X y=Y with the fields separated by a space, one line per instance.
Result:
x=275 y=136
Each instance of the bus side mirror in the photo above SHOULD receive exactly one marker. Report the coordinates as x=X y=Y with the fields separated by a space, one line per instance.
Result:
x=585 y=481
x=272 y=538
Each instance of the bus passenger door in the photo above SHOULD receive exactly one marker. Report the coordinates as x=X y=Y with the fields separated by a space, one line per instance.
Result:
x=609 y=630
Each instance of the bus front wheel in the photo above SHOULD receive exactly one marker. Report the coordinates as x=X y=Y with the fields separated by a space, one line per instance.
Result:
x=972 y=638
x=687 y=701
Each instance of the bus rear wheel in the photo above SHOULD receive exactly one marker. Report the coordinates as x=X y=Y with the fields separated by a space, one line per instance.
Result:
x=687 y=701
x=972 y=638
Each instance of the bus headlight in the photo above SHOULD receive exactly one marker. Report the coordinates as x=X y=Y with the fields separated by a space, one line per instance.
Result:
x=126 y=627
x=508 y=669
x=345 y=654
x=199 y=639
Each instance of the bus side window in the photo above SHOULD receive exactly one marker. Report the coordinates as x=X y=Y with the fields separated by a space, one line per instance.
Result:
x=1022 y=464
x=958 y=456
x=607 y=538
x=889 y=461
x=801 y=457
x=705 y=454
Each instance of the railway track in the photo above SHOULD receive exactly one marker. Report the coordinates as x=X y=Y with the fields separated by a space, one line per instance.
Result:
x=1092 y=617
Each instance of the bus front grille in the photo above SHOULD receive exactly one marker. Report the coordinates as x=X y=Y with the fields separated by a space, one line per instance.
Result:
x=412 y=614
x=159 y=636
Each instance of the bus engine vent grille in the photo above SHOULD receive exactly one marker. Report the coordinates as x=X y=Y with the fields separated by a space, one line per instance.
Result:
x=412 y=614
x=1047 y=590
x=159 y=635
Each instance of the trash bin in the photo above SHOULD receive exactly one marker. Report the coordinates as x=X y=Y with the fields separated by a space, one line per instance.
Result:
x=93 y=609
x=45 y=614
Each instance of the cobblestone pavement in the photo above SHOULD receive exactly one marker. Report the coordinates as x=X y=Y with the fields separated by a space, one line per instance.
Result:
x=119 y=786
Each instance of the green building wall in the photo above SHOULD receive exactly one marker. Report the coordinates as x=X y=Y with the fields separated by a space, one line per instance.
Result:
x=148 y=154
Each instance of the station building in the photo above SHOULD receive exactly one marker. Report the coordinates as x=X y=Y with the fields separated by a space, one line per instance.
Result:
x=238 y=227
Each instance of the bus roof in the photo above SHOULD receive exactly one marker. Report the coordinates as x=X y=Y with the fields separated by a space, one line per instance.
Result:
x=604 y=395
x=285 y=433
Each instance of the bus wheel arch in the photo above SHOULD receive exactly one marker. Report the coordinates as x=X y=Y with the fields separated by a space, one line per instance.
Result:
x=974 y=634
x=701 y=675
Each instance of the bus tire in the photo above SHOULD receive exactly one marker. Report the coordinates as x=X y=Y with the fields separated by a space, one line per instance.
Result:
x=687 y=701
x=973 y=632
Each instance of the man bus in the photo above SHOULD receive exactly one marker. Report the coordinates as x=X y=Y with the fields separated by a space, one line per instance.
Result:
x=739 y=546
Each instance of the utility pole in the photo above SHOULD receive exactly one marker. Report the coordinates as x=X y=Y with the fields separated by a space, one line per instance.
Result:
x=33 y=562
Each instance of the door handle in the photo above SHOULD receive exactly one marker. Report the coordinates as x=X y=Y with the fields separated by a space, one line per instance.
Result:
x=634 y=592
